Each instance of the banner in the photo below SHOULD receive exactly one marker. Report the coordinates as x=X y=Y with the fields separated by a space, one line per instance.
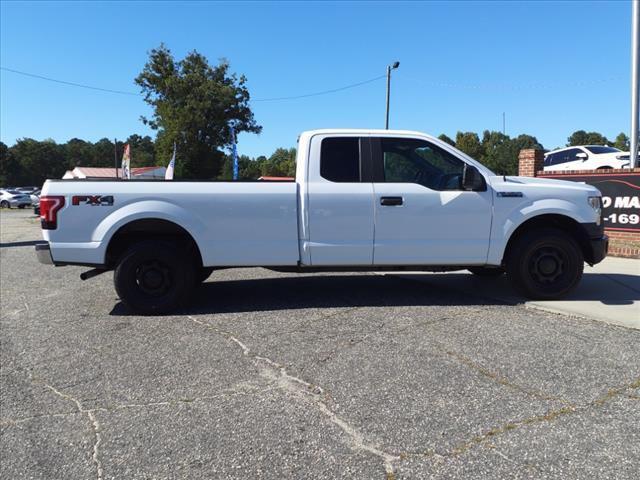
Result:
x=168 y=175
x=126 y=162
x=234 y=152
x=620 y=197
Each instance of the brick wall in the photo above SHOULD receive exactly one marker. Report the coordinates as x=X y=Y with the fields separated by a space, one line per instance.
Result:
x=530 y=161
x=622 y=244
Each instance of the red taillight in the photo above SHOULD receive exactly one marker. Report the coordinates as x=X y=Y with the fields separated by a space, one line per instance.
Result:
x=49 y=208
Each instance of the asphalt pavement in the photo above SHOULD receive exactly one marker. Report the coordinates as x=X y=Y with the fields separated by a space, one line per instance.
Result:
x=608 y=292
x=270 y=375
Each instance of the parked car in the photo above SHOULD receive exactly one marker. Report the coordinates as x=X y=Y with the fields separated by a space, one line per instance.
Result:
x=587 y=157
x=35 y=201
x=26 y=189
x=14 y=198
x=361 y=200
x=35 y=197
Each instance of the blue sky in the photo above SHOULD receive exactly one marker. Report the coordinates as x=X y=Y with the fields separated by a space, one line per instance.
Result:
x=553 y=67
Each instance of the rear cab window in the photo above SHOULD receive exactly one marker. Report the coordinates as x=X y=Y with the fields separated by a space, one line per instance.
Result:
x=340 y=159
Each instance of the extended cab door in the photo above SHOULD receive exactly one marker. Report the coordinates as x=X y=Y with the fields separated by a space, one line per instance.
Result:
x=423 y=216
x=339 y=202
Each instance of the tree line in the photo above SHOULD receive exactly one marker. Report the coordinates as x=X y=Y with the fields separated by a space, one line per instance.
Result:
x=195 y=107
x=30 y=162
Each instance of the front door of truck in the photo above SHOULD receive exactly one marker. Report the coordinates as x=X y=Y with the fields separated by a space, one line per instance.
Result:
x=422 y=214
x=340 y=205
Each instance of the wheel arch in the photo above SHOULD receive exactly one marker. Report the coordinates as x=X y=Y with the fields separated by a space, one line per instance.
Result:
x=562 y=222
x=149 y=229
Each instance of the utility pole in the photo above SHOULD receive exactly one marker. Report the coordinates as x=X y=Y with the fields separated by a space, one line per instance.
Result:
x=504 y=124
x=635 y=39
x=389 y=68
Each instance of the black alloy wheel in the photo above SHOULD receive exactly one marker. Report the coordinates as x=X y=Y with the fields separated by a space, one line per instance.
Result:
x=154 y=277
x=545 y=264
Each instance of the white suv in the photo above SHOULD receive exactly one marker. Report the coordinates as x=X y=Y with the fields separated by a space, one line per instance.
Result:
x=588 y=157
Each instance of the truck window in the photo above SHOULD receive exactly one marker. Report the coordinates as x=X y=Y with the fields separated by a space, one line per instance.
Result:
x=340 y=159
x=407 y=160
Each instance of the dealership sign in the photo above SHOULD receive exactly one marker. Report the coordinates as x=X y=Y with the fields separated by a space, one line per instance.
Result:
x=620 y=197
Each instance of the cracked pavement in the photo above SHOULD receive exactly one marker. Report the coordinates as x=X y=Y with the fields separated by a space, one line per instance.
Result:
x=270 y=375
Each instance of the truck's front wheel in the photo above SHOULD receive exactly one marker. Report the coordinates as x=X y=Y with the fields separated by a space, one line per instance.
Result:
x=154 y=277
x=545 y=264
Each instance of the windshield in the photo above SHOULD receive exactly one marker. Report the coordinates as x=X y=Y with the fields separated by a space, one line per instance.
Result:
x=601 y=149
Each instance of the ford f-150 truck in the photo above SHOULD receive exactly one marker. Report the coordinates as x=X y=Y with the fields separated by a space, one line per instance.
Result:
x=361 y=200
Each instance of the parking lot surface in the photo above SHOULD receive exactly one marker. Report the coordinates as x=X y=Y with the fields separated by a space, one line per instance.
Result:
x=270 y=375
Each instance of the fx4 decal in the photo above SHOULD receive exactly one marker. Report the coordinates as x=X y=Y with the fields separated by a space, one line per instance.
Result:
x=93 y=200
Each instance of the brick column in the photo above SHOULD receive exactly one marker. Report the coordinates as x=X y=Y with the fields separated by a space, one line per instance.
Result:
x=530 y=161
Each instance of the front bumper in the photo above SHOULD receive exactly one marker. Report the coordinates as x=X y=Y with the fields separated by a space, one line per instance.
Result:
x=596 y=245
x=599 y=249
x=43 y=252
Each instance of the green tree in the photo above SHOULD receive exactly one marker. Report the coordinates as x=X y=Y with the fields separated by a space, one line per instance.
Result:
x=580 y=137
x=39 y=160
x=470 y=144
x=622 y=142
x=501 y=152
x=248 y=168
x=194 y=105
x=446 y=139
x=78 y=153
x=10 y=168
x=495 y=147
x=103 y=154
x=143 y=151
x=282 y=163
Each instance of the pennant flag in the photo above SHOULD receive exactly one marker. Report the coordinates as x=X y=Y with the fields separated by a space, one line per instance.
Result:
x=168 y=175
x=126 y=162
x=234 y=152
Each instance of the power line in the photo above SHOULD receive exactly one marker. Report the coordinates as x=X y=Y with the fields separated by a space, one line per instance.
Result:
x=73 y=84
x=325 y=92
x=121 y=92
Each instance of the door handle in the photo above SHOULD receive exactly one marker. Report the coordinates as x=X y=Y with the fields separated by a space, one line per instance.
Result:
x=390 y=201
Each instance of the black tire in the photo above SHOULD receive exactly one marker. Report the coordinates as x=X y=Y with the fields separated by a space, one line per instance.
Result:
x=21 y=206
x=154 y=277
x=545 y=264
x=5 y=204
x=204 y=273
x=486 y=271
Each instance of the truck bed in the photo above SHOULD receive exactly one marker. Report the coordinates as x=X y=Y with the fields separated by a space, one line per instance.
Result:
x=233 y=223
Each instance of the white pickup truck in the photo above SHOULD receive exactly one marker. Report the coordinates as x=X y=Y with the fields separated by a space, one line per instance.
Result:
x=361 y=200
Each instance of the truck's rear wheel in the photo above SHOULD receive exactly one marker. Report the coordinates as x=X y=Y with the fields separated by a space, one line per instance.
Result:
x=545 y=264
x=154 y=277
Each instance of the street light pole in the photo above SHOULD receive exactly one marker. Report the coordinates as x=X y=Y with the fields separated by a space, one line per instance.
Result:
x=635 y=39
x=389 y=68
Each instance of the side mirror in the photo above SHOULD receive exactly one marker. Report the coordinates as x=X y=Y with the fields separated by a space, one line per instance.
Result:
x=472 y=179
x=582 y=156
